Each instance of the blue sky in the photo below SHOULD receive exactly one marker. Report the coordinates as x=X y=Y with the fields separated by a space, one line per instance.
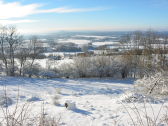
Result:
x=41 y=16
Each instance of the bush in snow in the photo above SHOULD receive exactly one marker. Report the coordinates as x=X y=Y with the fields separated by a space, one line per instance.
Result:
x=58 y=90
x=46 y=121
x=96 y=66
x=55 y=100
x=103 y=66
x=156 y=84
x=99 y=66
x=5 y=101
x=140 y=98
x=47 y=74
x=32 y=70
x=67 y=70
x=82 y=66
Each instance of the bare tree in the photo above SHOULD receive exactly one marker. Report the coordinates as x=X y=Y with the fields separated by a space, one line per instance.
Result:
x=35 y=50
x=3 y=34
x=9 y=41
x=22 y=58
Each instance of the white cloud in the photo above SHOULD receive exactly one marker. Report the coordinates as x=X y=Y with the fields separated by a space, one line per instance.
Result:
x=8 y=22
x=68 y=10
x=17 y=10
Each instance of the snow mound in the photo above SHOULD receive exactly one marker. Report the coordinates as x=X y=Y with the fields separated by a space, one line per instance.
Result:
x=5 y=101
x=33 y=99
x=70 y=105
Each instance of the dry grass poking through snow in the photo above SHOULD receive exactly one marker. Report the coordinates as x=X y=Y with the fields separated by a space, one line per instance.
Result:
x=21 y=114
x=146 y=115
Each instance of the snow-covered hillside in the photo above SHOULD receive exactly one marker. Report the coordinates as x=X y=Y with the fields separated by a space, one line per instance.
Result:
x=98 y=101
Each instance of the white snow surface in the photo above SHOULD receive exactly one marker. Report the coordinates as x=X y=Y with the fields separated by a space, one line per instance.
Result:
x=98 y=101
x=76 y=41
x=95 y=36
x=106 y=43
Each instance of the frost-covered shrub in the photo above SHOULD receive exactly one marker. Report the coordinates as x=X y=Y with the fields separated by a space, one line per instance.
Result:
x=56 y=97
x=33 y=70
x=46 y=121
x=134 y=98
x=140 y=98
x=67 y=70
x=99 y=66
x=103 y=66
x=55 y=100
x=82 y=66
x=47 y=74
x=156 y=84
x=58 y=90
x=5 y=101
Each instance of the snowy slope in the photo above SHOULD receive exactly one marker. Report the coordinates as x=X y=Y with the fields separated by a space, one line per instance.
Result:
x=97 y=100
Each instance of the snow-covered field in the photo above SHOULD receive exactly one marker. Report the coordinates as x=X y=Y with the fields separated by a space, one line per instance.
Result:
x=98 y=101
x=106 y=43
x=75 y=41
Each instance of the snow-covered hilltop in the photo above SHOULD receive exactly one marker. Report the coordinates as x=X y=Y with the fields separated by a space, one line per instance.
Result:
x=99 y=102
